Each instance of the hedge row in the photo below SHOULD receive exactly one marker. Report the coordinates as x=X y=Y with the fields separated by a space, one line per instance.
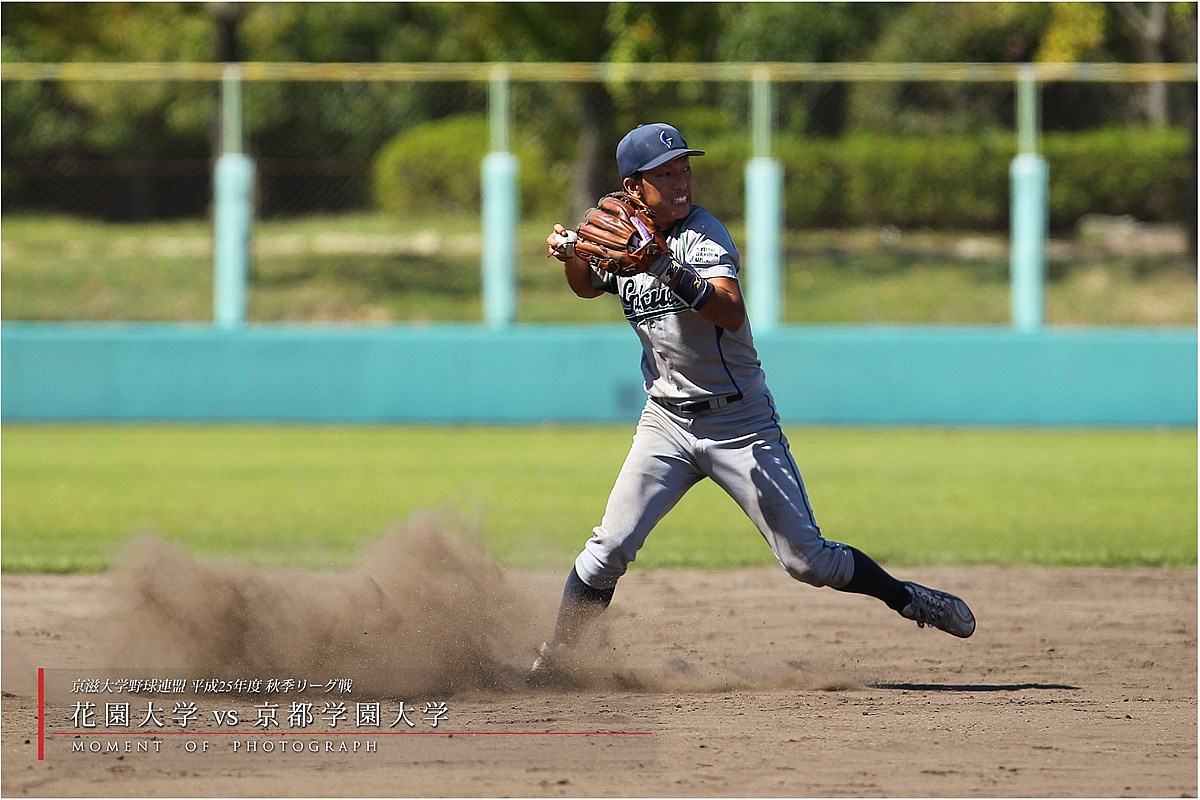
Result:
x=948 y=182
x=435 y=168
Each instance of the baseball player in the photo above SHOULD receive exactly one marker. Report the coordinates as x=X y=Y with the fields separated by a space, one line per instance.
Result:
x=708 y=414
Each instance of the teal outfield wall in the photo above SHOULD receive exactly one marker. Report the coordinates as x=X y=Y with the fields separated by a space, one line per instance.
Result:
x=468 y=373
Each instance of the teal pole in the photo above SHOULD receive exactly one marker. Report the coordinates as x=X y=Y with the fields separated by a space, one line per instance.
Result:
x=1029 y=177
x=499 y=211
x=233 y=210
x=764 y=215
x=764 y=228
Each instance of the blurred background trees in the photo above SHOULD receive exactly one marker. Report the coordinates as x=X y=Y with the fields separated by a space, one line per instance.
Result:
x=576 y=124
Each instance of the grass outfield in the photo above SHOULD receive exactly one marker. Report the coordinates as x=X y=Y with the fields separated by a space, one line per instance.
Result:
x=313 y=496
x=370 y=268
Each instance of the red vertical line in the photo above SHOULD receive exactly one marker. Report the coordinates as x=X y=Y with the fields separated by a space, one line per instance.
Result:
x=41 y=714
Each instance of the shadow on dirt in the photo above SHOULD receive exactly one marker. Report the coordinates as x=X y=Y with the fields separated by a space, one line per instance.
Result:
x=972 y=687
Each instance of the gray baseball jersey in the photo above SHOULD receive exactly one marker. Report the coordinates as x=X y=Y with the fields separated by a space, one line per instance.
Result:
x=709 y=414
x=684 y=356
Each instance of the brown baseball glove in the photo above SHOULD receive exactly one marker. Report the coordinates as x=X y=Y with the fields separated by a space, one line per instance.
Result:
x=620 y=236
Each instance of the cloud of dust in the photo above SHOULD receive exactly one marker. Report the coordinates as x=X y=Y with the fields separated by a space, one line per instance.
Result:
x=424 y=611
x=600 y=665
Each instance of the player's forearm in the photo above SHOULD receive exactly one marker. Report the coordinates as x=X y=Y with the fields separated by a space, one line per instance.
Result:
x=724 y=308
x=718 y=300
x=579 y=278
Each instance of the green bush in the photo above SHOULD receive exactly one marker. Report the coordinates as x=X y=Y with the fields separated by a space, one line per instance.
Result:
x=1143 y=173
x=435 y=168
x=720 y=174
x=944 y=182
x=958 y=182
x=962 y=182
x=867 y=180
x=814 y=182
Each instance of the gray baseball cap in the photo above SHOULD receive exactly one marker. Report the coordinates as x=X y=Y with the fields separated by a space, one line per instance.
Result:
x=649 y=146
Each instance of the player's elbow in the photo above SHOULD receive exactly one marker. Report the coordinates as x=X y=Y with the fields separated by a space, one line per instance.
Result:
x=584 y=289
x=731 y=318
x=725 y=306
x=579 y=279
x=736 y=318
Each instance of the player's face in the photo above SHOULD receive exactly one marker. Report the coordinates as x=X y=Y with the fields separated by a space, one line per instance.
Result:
x=667 y=190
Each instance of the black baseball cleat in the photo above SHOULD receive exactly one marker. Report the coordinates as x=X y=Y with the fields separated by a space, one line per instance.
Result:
x=938 y=609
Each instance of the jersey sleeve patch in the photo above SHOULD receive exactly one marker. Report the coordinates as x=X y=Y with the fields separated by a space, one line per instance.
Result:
x=706 y=253
x=709 y=249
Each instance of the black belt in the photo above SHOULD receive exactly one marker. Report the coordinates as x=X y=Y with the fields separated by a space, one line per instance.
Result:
x=696 y=406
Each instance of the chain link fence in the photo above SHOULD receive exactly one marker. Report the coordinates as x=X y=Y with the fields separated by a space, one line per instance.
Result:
x=367 y=193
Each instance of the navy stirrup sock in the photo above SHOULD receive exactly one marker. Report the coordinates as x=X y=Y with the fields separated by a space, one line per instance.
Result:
x=580 y=603
x=870 y=579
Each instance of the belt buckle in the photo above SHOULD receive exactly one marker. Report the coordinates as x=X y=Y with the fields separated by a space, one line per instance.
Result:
x=724 y=400
x=696 y=406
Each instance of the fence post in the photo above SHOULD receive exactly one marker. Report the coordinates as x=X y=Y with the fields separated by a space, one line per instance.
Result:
x=233 y=209
x=499 y=211
x=764 y=213
x=1030 y=181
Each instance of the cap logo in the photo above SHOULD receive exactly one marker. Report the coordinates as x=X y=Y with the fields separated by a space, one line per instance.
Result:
x=669 y=141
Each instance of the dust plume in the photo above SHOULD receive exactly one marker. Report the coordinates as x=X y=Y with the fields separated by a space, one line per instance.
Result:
x=423 y=611
x=602 y=663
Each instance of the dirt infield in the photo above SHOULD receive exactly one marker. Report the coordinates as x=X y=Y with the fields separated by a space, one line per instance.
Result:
x=1079 y=682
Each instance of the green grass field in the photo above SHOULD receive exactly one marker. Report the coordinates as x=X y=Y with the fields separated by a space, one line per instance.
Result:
x=312 y=496
x=73 y=495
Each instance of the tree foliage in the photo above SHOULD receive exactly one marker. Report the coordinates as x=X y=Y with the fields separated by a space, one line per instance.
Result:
x=291 y=121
